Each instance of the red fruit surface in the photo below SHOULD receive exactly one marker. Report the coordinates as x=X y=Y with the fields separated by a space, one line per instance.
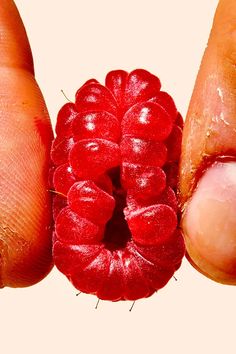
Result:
x=115 y=208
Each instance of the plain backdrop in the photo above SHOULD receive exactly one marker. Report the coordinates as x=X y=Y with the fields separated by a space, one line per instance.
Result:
x=73 y=41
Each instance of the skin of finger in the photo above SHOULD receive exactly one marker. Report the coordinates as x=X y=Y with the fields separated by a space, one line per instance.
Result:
x=204 y=266
x=210 y=127
x=14 y=45
x=25 y=140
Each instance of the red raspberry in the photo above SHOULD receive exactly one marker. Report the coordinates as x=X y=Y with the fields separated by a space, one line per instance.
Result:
x=116 y=162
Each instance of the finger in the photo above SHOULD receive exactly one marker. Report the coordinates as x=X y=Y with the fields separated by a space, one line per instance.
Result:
x=14 y=44
x=208 y=168
x=25 y=137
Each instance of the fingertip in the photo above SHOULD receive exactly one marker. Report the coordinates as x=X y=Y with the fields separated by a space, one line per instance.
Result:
x=209 y=223
x=14 y=45
x=25 y=140
x=209 y=130
x=225 y=18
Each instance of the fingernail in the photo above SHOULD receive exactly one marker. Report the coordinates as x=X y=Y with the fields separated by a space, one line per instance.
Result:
x=209 y=221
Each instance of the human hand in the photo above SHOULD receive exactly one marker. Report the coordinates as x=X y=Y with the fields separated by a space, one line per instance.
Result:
x=25 y=140
x=208 y=167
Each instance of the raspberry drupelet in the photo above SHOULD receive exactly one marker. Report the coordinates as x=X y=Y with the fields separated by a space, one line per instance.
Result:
x=116 y=161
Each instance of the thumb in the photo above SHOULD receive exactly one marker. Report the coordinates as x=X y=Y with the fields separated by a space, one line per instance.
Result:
x=208 y=165
x=25 y=136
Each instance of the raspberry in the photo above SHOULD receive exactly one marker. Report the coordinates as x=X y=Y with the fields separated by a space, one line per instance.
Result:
x=85 y=198
x=147 y=120
x=73 y=229
x=115 y=209
x=89 y=158
x=154 y=153
x=143 y=182
x=90 y=125
x=153 y=224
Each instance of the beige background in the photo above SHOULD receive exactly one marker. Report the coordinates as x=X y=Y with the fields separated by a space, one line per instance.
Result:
x=71 y=42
